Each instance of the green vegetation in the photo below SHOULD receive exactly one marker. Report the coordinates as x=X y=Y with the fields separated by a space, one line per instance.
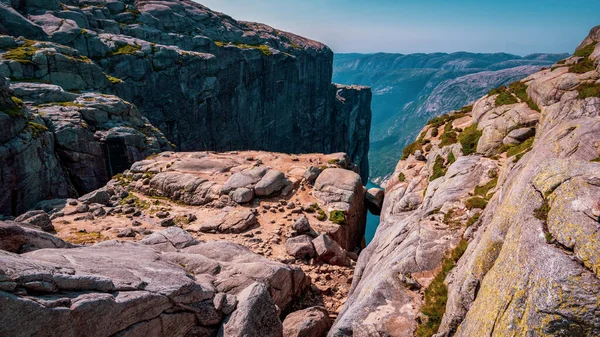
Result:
x=411 y=148
x=443 y=119
x=401 y=177
x=588 y=90
x=472 y=220
x=597 y=160
x=475 y=202
x=122 y=180
x=125 y=50
x=263 y=48
x=434 y=132
x=66 y=104
x=322 y=216
x=113 y=80
x=337 y=217
x=37 y=129
x=483 y=191
x=436 y=295
x=438 y=169
x=451 y=158
x=586 y=64
x=541 y=212
x=520 y=90
x=449 y=136
x=21 y=54
x=519 y=149
x=16 y=100
x=469 y=139
x=548 y=237
x=136 y=201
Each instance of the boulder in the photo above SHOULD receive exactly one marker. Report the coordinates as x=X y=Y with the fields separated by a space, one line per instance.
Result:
x=374 y=198
x=229 y=221
x=300 y=247
x=312 y=173
x=329 y=251
x=38 y=219
x=517 y=136
x=99 y=196
x=19 y=238
x=273 y=181
x=246 y=178
x=310 y=322
x=242 y=195
x=301 y=225
x=256 y=315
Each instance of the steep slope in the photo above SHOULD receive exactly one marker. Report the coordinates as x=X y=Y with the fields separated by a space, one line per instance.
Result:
x=207 y=81
x=411 y=89
x=490 y=221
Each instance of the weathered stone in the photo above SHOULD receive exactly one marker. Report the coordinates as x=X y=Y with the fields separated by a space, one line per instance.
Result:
x=300 y=247
x=310 y=322
x=39 y=219
x=301 y=225
x=273 y=181
x=242 y=195
x=329 y=251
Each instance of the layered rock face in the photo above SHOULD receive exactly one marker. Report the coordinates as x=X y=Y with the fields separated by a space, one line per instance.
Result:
x=511 y=185
x=206 y=81
x=167 y=285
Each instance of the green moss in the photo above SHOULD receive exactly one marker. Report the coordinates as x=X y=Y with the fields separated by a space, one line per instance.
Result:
x=321 y=215
x=125 y=50
x=122 y=180
x=37 y=129
x=113 y=80
x=549 y=237
x=14 y=112
x=541 y=212
x=447 y=118
x=21 y=54
x=523 y=147
x=588 y=90
x=434 y=132
x=451 y=158
x=337 y=217
x=469 y=138
x=472 y=220
x=585 y=51
x=483 y=191
x=597 y=160
x=66 y=104
x=16 y=100
x=401 y=177
x=475 y=202
x=436 y=295
x=263 y=48
x=506 y=98
x=438 y=169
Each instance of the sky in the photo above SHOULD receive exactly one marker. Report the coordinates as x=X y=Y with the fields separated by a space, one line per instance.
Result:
x=518 y=27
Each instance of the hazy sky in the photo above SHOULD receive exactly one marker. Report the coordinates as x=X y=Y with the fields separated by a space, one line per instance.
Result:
x=513 y=26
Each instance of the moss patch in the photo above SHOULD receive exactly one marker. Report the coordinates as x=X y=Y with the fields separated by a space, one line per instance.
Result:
x=476 y=202
x=586 y=64
x=520 y=90
x=401 y=177
x=321 y=216
x=472 y=220
x=113 y=80
x=37 y=129
x=411 y=148
x=436 y=295
x=263 y=48
x=449 y=136
x=541 y=212
x=483 y=191
x=127 y=49
x=337 y=217
x=451 y=158
x=21 y=54
x=597 y=160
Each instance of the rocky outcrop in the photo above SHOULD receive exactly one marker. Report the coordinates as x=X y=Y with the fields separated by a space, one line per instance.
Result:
x=501 y=223
x=207 y=81
x=154 y=287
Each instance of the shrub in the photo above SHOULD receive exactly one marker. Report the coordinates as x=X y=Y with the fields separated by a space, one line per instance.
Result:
x=506 y=98
x=469 y=138
x=523 y=147
x=434 y=132
x=586 y=64
x=436 y=295
x=449 y=136
x=337 y=217
x=321 y=215
x=588 y=90
x=597 y=160
x=585 y=51
x=438 y=169
x=476 y=202
x=411 y=148
x=401 y=177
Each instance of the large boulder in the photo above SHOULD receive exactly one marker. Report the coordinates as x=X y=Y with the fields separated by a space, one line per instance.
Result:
x=273 y=181
x=300 y=247
x=38 y=218
x=310 y=322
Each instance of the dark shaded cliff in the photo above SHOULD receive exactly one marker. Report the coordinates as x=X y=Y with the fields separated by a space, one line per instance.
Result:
x=205 y=80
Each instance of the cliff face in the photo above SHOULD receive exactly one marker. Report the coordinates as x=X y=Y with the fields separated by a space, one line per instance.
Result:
x=208 y=82
x=490 y=222
x=410 y=89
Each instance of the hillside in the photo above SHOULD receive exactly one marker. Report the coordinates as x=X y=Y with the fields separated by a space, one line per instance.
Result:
x=490 y=220
x=410 y=89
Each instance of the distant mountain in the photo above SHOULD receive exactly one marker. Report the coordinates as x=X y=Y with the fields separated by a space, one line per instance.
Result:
x=408 y=90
